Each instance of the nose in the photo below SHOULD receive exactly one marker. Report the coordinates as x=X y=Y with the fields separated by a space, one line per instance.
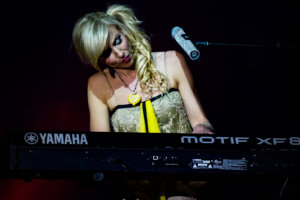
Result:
x=118 y=52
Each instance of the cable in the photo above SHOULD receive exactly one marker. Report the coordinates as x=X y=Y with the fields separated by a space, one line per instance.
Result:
x=284 y=185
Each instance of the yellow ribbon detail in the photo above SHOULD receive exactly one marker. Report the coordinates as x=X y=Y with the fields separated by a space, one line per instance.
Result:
x=150 y=117
x=162 y=197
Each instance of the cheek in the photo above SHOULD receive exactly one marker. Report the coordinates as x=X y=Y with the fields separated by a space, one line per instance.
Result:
x=125 y=43
x=107 y=61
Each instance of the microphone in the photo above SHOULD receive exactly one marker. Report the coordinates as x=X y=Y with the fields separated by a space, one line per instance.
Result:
x=186 y=44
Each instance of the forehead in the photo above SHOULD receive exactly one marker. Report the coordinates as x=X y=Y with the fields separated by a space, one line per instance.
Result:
x=112 y=32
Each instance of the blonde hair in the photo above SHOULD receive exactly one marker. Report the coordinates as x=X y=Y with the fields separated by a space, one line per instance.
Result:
x=90 y=38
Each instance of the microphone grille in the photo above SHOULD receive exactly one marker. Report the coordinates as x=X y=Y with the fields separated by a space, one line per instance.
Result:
x=176 y=31
x=183 y=40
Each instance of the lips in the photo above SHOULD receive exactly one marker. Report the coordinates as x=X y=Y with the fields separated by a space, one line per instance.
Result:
x=126 y=59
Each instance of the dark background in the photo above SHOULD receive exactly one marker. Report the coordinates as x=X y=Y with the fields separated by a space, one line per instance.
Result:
x=244 y=91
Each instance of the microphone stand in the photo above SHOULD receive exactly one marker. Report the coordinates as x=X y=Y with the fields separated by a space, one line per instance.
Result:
x=277 y=45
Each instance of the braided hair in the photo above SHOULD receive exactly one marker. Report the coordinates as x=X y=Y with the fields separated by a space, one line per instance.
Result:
x=90 y=38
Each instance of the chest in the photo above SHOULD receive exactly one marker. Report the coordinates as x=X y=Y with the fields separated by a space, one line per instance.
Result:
x=168 y=109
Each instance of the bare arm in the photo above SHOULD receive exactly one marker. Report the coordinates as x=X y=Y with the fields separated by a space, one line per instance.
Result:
x=99 y=114
x=185 y=84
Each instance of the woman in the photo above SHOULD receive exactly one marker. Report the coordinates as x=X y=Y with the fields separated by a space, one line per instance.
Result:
x=136 y=90
x=129 y=73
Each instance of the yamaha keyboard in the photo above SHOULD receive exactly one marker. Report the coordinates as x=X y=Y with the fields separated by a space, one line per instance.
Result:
x=40 y=154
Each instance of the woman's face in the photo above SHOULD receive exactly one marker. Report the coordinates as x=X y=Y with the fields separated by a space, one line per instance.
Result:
x=118 y=53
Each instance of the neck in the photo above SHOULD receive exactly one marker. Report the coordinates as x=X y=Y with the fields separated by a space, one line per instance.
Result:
x=126 y=71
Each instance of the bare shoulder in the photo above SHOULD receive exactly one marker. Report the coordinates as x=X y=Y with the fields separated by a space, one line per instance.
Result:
x=174 y=57
x=178 y=68
x=96 y=78
x=98 y=85
x=97 y=81
x=176 y=63
x=170 y=58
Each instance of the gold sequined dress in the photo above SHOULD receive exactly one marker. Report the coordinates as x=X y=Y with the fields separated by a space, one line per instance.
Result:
x=168 y=108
